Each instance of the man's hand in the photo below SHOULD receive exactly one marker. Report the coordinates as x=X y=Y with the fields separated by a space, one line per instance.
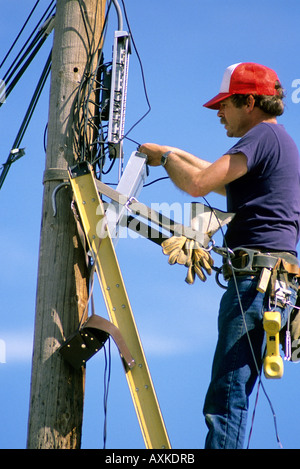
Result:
x=154 y=153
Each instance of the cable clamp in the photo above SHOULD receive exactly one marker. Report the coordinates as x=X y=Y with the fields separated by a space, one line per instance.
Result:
x=48 y=26
x=224 y=252
x=16 y=153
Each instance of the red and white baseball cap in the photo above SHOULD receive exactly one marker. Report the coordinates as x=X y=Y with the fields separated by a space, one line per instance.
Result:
x=245 y=78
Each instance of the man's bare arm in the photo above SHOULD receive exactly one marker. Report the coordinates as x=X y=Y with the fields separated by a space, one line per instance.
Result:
x=194 y=175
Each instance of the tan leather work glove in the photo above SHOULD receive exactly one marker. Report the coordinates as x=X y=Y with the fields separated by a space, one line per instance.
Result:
x=202 y=260
x=188 y=252
x=173 y=247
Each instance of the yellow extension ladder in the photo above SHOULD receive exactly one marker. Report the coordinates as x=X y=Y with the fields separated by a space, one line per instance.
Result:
x=93 y=220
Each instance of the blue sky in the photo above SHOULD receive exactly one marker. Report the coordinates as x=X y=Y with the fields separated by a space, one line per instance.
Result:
x=184 y=48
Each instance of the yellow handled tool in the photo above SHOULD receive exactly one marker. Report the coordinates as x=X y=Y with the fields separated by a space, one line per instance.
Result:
x=273 y=363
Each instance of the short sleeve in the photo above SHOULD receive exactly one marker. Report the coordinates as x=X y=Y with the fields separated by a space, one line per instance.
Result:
x=259 y=144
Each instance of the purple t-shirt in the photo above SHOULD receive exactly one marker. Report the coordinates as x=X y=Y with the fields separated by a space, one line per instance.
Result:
x=267 y=199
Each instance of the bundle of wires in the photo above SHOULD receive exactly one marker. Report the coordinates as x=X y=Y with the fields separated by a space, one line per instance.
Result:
x=90 y=119
x=28 y=50
x=19 y=64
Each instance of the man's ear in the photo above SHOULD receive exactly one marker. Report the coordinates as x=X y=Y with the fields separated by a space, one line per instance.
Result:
x=250 y=102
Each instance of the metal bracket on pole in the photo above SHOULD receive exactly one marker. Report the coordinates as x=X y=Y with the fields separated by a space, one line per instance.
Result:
x=90 y=338
x=14 y=155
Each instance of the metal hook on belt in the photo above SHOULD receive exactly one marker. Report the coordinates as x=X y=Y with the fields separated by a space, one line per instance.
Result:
x=224 y=252
x=249 y=266
x=229 y=255
x=218 y=272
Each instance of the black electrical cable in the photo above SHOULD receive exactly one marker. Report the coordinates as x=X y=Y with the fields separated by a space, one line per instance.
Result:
x=107 y=376
x=19 y=34
x=95 y=149
x=142 y=73
x=13 y=83
x=144 y=86
x=155 y=181
x=16 y=70
x=27 y=118
x=35 y=98
x=83 y=121
x=17 y=61
x=253 y=415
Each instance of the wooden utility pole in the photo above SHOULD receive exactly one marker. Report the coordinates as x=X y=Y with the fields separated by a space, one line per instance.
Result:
x=57 y=390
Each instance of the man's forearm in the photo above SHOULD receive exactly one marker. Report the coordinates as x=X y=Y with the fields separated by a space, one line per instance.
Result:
x=188 y=172
x=183 y=169
x=190 y=158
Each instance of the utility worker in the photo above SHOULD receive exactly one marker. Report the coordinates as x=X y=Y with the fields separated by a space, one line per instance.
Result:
x=260 y=177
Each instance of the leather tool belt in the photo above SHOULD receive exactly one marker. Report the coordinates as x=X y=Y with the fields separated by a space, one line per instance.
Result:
x=250 y=262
